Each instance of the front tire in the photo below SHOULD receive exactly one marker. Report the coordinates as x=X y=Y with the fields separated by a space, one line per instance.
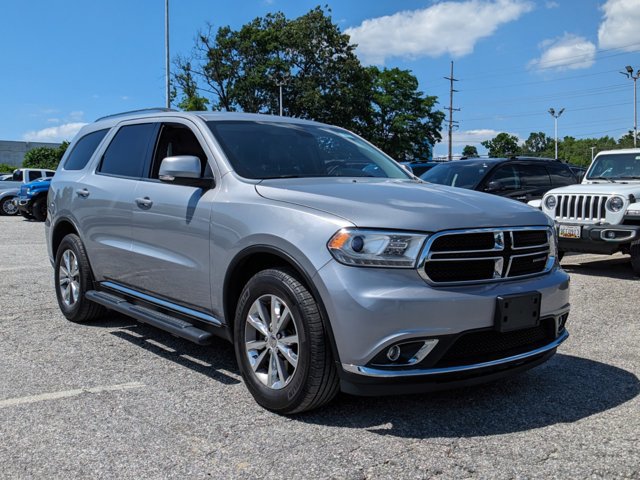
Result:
x=73 y=279
x=634 y=250
x=281 y=346
x=39 y=209
x=7 y=207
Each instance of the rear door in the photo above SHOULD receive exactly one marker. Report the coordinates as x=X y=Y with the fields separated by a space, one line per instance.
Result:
x=104 y=201
x=505 y=181
x=534 y=180
x=171 y=224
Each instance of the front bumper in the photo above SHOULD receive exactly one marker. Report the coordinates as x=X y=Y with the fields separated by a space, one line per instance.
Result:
x=22 y=203
x=605 y=239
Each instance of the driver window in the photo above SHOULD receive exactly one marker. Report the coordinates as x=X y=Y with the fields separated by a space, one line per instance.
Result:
x=507 y=177
x=17 y=176
x=176 y=139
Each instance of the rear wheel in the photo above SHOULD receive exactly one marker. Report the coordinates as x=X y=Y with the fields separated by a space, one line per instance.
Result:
x=281 y=347
x=7 y=207
x=39 y=208
x=73 y=279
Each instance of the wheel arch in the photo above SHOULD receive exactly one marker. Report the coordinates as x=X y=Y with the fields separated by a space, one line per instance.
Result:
x=62 y=228
x=254 y=259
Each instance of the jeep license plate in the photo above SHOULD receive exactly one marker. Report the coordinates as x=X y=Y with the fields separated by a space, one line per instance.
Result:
x=569 y=231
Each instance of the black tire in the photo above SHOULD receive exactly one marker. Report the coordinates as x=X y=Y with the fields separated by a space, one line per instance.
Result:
x=314 y=382
x=81 y=310
x=560 y=255
x=634 y=250
x=26 y=215
x=8 y=208
x=39 y=208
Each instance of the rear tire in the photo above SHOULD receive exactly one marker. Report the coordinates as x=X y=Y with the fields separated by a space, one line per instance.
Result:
x=634 y=250
x=73 y=278
x=281 y=346
x=39 y=208
x=7 y=207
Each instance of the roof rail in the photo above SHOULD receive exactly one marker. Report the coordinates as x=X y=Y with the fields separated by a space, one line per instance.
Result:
x=142 y=110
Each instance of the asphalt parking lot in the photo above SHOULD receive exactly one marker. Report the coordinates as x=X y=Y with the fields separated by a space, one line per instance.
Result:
x=122 y=400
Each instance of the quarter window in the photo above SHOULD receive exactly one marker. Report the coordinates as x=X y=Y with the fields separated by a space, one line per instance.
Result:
x=83 y=150
x=561 y=175
x=126 y=154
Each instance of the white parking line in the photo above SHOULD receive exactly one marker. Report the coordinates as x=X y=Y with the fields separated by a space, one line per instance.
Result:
x=11 y=402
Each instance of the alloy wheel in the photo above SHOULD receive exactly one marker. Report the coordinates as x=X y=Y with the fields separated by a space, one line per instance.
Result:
x=69 y=278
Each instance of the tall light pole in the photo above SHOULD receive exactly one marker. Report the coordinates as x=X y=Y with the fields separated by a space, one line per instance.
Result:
x=629 y=74
x=166 y=51
x=555 y=122
x=280 y=84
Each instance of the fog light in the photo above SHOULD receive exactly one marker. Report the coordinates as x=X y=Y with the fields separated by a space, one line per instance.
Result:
x=393 y=353
x=611 y=234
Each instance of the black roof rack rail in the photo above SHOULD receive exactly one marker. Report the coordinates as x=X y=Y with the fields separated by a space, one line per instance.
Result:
x=142 y=110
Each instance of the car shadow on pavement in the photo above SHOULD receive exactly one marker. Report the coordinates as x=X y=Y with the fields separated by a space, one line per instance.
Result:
x=208 y=360
x=617 y=267
x=564 y=390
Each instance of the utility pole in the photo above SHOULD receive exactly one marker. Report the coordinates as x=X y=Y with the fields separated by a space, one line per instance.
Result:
x=593 y=149
x=629 y=74
x=166 y=51
x=451 y=110
x=555 y=122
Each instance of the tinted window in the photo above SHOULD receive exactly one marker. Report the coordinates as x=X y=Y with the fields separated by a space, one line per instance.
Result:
x=176 y=139
x=280 y=150
x=34 y=175
x=561 y=175
x=126 y=153
x=83 y=150
x=457 y=174
x=507 y=176
x=49 y=174
x=17 y=176
x=616 y=165
x=534 y=176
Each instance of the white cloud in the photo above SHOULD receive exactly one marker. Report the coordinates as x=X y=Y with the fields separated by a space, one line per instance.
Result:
x=53 y=120
x=620 y=25
x=444 y=28
x=76 y=116
x=54 y=134
x=569 y=52
x=474 y=137
x=551 y=4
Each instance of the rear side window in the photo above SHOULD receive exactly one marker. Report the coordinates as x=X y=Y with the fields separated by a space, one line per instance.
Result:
x=561 y=175
x=126 y=154
x=49 y=174
x=34 y=175
x=83 y=150
x=534 y=176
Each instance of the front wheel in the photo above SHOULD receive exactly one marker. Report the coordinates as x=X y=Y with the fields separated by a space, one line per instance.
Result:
x=39 y=209
x=73 y=279
x=7 y=206
x=281 y=346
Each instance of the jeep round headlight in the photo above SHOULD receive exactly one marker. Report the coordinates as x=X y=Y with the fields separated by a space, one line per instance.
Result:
x=550 y=202
x=615 y=204
x=376 y=248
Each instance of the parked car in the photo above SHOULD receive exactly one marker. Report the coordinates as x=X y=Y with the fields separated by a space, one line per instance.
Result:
x=418 y=167
x=32 y=199
x=518 y=178
x=578 y=171
x=10 y=189
x=602 y=214
x=272 y=233
x=4 y=177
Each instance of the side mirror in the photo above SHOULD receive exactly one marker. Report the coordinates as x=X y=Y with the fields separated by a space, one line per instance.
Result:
x=493 y=186
x=183 y=170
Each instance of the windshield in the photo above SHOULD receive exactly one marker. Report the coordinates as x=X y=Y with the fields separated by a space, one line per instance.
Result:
x=457 y=174
x=262 y=150
x=615 y=166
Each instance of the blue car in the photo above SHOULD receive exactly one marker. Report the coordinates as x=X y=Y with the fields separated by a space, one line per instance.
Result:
x=32 y=199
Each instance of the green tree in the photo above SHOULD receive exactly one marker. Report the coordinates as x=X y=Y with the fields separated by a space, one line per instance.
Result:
x=470 y=151
x=5 y=168
x=502 y=145
x=537 y=143
x=403 y=121
x=626 y=141
x=44 y=157
x=191 y=100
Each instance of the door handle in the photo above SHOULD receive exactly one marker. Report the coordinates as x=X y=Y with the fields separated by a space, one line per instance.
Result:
x=82 y=192
x=144 y=203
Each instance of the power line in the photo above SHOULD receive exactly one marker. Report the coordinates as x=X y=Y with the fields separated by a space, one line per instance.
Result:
x=540 y=113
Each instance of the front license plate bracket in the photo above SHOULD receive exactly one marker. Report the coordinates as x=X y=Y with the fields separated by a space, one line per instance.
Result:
x=516 y=312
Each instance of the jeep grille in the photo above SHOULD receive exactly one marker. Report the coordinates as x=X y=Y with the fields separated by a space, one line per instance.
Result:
x=485 y=255
x=581 y=208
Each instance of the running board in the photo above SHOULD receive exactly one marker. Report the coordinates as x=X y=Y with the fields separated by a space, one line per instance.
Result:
x=175 y=326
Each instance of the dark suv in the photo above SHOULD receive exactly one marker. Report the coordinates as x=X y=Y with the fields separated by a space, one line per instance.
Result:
x=518 y=178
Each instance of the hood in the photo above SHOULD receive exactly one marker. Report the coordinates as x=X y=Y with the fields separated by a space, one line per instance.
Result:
x=624 y=189
x=37 y=184
x=401 y=204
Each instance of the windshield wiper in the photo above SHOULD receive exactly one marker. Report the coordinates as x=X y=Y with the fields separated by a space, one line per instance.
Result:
x=602 y=178
x=628 y=177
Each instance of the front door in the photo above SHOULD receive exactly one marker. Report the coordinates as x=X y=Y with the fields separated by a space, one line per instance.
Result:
x=171 y=226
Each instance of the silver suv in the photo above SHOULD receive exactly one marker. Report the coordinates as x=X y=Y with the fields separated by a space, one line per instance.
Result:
x=326 y=264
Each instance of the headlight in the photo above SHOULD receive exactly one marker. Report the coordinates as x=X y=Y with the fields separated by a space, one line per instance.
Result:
x=375 y=248
x=615 y=204
x=550 y=202
x=28 y=191
x=553 y=245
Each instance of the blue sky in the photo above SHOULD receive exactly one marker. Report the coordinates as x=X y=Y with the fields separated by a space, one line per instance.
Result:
x=66 y=63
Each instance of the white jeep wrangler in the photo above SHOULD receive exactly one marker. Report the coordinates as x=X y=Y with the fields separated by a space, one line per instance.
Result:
x=601 y=214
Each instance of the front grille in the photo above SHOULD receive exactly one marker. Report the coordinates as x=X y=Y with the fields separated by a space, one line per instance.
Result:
x=455 y=257
x=487 y=345
x=581 y=208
